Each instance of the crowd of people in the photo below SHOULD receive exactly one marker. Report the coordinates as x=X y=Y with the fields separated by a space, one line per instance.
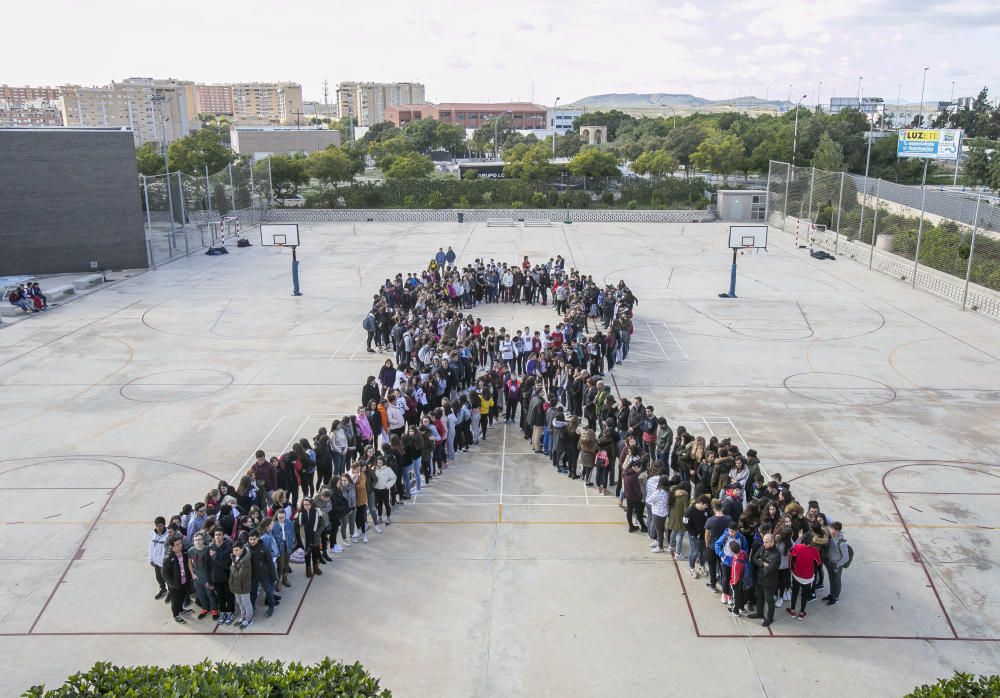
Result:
x=451 y=381
x=28 y=297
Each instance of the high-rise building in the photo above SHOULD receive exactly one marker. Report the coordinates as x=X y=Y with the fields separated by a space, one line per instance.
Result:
x=215 y=99
x=517 y=115
x=267 y=103
x=131 y=104
x=29 y=106
x=367 y=101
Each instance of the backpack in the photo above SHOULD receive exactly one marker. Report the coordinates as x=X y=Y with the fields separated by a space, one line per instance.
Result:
x=601 y=459
x=850 y=557
x=368 y=324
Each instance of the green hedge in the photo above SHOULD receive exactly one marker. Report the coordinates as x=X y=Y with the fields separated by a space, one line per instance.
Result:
x=259 y=678
x=450 y=192
x=960 y=686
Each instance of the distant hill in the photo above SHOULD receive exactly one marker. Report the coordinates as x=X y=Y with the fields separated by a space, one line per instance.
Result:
x=652 y=102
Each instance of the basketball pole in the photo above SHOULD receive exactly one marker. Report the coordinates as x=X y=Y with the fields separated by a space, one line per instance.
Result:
x=732 y=278
x=295 y=273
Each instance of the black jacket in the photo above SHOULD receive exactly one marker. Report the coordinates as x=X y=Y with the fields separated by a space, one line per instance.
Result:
x=768 y=565
x=219 y=563
x=261 y=564
x=171 y=571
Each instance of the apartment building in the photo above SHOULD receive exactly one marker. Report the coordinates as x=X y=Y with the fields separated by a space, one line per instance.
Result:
x=518 y=115
x=367 y=101
x=135 y=103
x=215 y=99
x=266 y=103
x=27 y=106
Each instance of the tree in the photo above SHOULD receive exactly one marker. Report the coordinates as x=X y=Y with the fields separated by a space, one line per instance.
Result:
x=828 y=154
x=526 y=161
x=408 y=166
x=655 y=162
x=450 y=137
x=288 y=173
x=977 y=166
x=382 y=131
x=420 y=134
x=683 y=141
x=994 y=175
x=594 y=163
x=149 y=160
x=720 y=153
x=386 y=151
x=330 y=166
x=568 y=145
x=482 y=137
x=194 y=152
x=613 y=119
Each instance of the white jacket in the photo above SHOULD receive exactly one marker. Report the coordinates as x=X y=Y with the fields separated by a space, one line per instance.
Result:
x=384 y=478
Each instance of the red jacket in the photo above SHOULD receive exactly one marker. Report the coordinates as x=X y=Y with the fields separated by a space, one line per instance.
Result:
x=736 y=570
x=804 y=560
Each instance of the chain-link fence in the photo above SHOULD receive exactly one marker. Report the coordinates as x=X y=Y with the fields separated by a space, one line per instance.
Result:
x=943 y=241
x=184 y=213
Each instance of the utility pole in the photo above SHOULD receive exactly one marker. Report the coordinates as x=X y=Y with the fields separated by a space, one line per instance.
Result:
x=795 y=136
x=920 y=112
x=555 y=125
x=157 y=100
x=819 y=104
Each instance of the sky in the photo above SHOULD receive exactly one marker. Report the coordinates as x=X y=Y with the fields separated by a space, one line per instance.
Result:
x=518 y=49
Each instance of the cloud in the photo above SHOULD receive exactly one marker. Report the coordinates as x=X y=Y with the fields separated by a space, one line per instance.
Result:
x=524 y=26
x=713 y=51
x=688 y=12
x=735 y=36
x=459 y=63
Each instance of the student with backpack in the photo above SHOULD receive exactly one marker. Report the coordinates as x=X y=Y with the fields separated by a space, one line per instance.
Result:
x=838 y=556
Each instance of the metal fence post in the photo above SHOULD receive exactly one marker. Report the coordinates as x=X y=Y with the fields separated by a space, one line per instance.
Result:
x=145 y=194
x=150 y=255
x=187 y=246
x=972 y=250
x=840 y=210
x=878 y=190
x=767 y=199
x=812 y=185
x=232 y=187
x=920 y=226
x=208 y=188
x=252 y=207
x=784 y=209
x=180 y=195
x=864 y=203
x=270 y=185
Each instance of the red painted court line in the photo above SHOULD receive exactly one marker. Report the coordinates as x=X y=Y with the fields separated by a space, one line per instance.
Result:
x=687 y=599
x=945 y=494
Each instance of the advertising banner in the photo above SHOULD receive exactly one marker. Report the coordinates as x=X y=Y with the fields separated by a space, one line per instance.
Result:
x=929 y=143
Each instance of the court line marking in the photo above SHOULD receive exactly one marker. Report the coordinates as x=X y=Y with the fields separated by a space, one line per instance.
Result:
x=673 y=337
x=343 y=342
x=662 y=350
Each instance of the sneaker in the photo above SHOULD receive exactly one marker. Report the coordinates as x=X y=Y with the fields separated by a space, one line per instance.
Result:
x=765 y=624
x=693 y=572
x=656 y=550
x=364 y=538
x=244 y=625
x=678 y=556
x=202 y=614
x=779 y=602
x=338 y=549
x=726 y=598
x=378 y=529
x=160 y=594
x=788 y=595
x=229 y=619
x=356 y=535
x=269 y=612
x=670 y=549
x=180 y=620
x=347 y=543
x=790 y=612
x=220 y=619
x=652 y=544
x=388 y=522
x=831 y=602
x=187 y=610
x=802 y=615
x=755 y=616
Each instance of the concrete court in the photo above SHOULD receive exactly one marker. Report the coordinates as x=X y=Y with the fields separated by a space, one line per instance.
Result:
x=504 y=579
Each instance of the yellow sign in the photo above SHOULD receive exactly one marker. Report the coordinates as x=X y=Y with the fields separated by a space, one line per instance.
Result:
x=921 y=135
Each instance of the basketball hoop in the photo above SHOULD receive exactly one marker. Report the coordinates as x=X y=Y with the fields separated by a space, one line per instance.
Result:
x=747 y=249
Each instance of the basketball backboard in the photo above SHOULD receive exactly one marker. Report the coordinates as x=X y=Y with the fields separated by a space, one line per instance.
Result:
x=741 y=236
x=272 y=234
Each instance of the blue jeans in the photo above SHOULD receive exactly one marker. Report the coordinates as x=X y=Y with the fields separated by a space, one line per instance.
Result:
x=268 y=590
x=204 y=596
x=547 y=440
x=697 y=551
x=338 y=463
x=407 y=470
x=677 y=541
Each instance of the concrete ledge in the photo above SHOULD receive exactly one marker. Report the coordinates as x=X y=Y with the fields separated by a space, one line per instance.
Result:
x=481 y=215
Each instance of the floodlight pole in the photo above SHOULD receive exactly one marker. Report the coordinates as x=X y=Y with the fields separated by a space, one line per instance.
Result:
x=972 y=250
x=864 y=198
x=555 y=125
x=840 y=210
x=208 y=188
x=795 y=136
x=920 y=226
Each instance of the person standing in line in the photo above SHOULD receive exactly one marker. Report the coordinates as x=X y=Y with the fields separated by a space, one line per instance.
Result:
x=241 y=582
x=656 y=500
x=633 y=497
x=677 y=505
x=385 y=478
x=694 y=520
x=737 y=576
x=588 y=451
x=767 y=561
x=838 y=555
x=198 y=560
x=311 y=525
x=358 y=477
x=157 y=548
x=283 y=533
x=220 y=554
x=262 y=572
x=177 y=576
x=804 y=561
x=485 y=405
x=715 y=528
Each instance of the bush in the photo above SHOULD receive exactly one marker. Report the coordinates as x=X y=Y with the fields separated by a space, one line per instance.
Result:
x=960 y=686
x=608 y=198
x=261 y=678
x=539 y=200
x=409 y=201
x=632 y=205
x=437 y=200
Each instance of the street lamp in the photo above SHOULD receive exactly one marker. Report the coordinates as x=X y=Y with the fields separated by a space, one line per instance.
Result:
x=795 y=136
x=819 y=104
x=157 y=100
x=920 y=112
x=496 y=136
x=860 y=78
x=555 y=125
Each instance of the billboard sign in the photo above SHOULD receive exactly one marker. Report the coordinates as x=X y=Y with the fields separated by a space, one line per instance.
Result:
x=929 y=143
